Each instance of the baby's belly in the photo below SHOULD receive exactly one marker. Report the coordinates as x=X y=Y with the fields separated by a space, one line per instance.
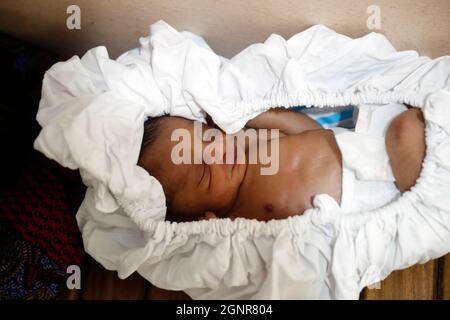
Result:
x=309 y=164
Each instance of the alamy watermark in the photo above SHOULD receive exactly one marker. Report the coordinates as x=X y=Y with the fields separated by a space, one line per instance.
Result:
x=73 y=22
x=227 y=148
x=374 y=20
x=74 y=279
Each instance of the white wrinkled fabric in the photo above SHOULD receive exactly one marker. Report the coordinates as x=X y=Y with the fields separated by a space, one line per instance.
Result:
x=92 y=113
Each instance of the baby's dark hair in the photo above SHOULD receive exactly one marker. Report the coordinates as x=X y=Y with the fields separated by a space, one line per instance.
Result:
x=152 y=127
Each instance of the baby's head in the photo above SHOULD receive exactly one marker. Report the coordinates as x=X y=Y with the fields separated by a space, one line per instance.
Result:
x=191 y=190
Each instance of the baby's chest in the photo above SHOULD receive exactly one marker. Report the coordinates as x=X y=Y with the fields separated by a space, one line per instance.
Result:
x=273 y=198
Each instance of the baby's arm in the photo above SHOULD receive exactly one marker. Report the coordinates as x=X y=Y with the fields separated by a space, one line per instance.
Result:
x=289 y=122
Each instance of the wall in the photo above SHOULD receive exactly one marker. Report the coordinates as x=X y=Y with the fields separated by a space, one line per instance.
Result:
x=228 y=25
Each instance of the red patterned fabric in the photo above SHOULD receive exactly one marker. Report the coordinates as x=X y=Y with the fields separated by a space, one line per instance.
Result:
x=39 y=236
x=41 y=206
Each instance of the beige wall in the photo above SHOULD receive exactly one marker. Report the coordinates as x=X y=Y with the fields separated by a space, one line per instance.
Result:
x=228 y=25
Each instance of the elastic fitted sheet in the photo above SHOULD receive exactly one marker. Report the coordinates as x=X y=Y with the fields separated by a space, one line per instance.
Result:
x=92 y=113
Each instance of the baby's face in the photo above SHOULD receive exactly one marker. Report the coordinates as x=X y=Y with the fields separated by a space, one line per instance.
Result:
x=192 y=189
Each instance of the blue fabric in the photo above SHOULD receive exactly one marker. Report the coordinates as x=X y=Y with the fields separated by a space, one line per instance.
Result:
x=327 y=117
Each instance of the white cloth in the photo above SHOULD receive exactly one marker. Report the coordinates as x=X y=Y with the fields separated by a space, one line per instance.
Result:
x=92 y=111
x=367 y=178
x=364 y=195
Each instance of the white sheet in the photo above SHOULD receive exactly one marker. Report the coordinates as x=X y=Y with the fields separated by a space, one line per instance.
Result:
x=92 y=111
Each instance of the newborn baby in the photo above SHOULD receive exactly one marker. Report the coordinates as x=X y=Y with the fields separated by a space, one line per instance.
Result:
x=309 y=163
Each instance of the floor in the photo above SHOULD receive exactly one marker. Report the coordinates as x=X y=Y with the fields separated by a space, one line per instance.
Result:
x=430 y=281
x=118 y=24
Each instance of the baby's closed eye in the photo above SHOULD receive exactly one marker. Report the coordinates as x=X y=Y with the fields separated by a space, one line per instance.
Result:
x=203 y=176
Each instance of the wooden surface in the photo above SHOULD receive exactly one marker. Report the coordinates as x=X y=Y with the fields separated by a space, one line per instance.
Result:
x=228 y=25
x=444 y=279
x=101 y=284
x=420 y=282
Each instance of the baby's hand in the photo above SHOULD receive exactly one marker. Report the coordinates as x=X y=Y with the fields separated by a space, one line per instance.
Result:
x=288 y=121
x=207 y=216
